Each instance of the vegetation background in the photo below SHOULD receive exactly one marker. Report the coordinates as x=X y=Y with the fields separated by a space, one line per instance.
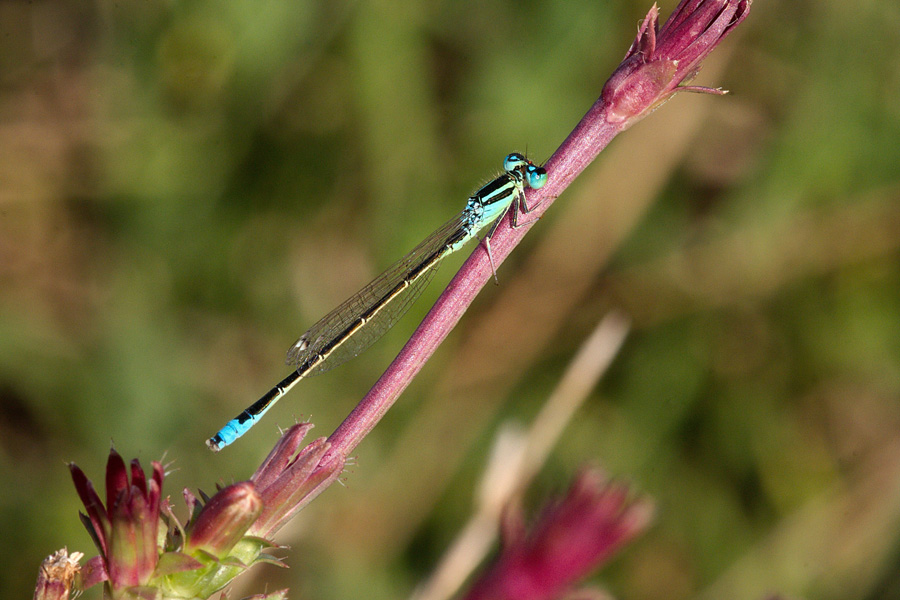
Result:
x=186 y=186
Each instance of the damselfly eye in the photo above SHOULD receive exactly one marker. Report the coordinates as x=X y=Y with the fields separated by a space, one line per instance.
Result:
x=535 y=177
x=514 y=161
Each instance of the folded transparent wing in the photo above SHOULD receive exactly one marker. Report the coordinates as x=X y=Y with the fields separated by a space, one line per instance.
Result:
x=364 y=317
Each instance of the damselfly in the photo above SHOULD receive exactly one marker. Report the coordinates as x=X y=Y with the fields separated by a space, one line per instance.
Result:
x=357 y=323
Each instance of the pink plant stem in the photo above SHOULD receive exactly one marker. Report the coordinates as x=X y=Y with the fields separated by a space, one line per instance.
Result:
x=657 y=63
x=589 y=137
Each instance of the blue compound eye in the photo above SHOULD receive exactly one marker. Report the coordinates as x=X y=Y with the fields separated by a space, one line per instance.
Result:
x=535 y=177
x=514 y=161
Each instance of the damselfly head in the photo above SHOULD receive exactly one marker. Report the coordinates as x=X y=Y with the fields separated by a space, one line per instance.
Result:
x=513 y=162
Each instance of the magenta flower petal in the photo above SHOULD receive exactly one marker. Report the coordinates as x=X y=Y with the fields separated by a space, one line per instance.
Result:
x=281 y=455
x=94 y=572
x=572 y=537
x=125 y=530
x=116 y=478
x=138 y=478
x=96 y=520
x=290 y=478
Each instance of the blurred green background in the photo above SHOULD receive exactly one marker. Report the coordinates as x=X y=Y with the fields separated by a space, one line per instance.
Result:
x=186 y=186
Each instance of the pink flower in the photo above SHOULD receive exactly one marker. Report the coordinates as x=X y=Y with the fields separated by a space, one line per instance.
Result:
x=146 y=553
x=659 y=61
x=656 y=66
x=289 y=479
x=125 y=530
x=572 y=537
